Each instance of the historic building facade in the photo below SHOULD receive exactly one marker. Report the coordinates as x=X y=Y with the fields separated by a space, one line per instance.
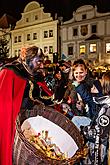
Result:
x=86 y=35
x=35 y=28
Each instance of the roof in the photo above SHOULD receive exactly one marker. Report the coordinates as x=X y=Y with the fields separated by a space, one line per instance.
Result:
x=92 y=37
x=6 y=20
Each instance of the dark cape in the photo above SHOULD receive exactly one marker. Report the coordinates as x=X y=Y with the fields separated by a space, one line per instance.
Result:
x=13 y=80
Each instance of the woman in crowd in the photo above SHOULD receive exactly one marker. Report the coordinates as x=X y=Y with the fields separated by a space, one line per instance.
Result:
x=84 y=85
x=14 y=94
x=104 y=103
x=106 y=91
x=101 y=126
x=60 y=85
x=101 y=123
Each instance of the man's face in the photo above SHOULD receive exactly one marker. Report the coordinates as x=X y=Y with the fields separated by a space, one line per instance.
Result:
x=80 y=73
x=37 y=63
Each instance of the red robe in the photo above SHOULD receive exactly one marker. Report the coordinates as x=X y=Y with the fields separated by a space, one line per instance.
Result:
x=11 y=94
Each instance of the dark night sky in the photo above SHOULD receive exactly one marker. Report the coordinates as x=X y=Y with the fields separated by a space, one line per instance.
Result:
x=64 y=8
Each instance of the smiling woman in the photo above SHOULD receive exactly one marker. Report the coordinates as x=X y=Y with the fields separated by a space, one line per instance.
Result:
x=83 y=85
x=80 y=70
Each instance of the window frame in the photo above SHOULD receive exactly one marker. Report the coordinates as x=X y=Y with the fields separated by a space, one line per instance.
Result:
x=50 y=49
x=15 y=39
x=28 y=37
x=92 y=31
x=70 y=52
x=84 y=16
x=45 y=33
x=19 y=38
x=107 y=52
x=50 y=33
x=75 y=33
x=93 y=48
x=34 y=36
x=83 y=44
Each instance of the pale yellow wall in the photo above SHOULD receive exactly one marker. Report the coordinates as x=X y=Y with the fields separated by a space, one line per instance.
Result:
x=44 y=22
x=102 y=22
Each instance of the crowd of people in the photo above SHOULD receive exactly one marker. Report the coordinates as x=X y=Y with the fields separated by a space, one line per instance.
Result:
x=69 y=88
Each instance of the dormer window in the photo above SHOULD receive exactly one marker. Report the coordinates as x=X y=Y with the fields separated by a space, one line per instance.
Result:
x=36 y=17
x=27 y=19
x=84 y=16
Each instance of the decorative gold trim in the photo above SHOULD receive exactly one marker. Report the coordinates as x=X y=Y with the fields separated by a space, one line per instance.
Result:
x=31 y=89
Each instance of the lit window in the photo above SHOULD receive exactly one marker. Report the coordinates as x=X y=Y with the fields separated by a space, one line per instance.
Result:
x=34 y=36
x=93 y=48
x=82 y=49
x=50 y=33
x=70 y=50
x=107 y=47
x=28 y=37
x=45 y=34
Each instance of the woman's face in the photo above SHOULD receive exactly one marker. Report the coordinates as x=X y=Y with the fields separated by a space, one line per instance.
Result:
x=80 y=73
